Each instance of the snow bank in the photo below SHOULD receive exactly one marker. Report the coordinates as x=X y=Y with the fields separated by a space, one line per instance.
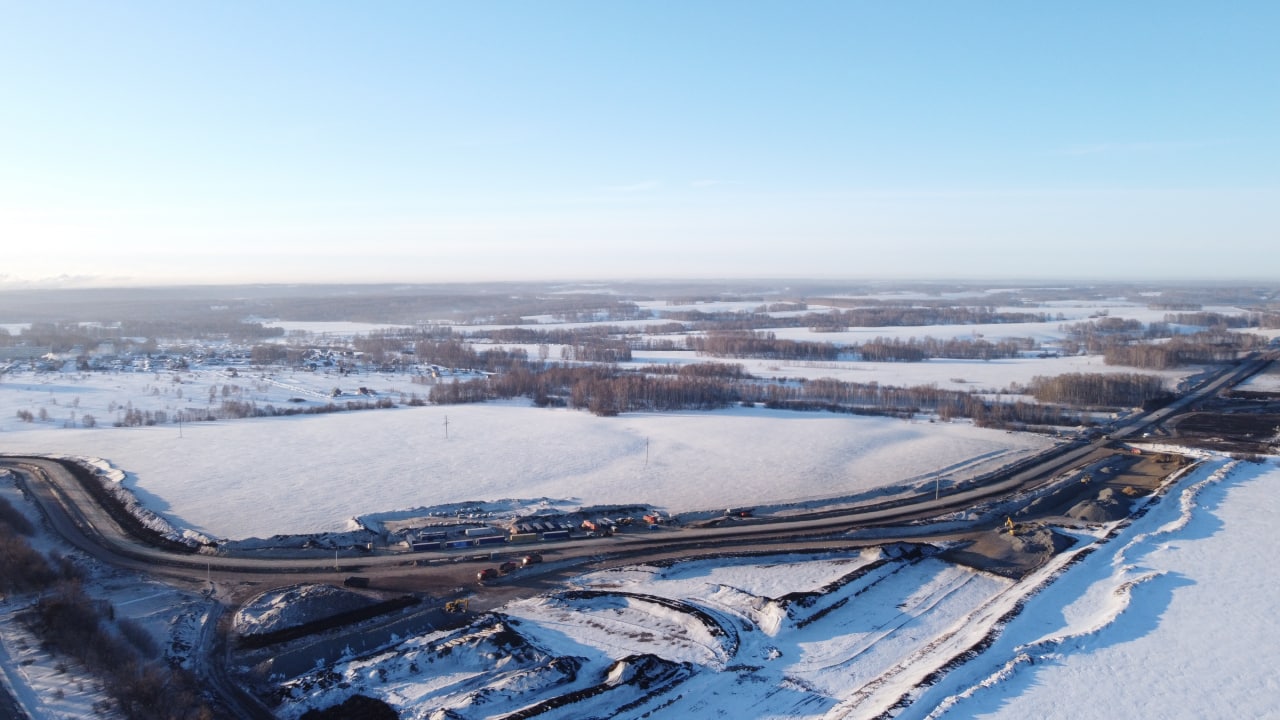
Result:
x=1173 y=619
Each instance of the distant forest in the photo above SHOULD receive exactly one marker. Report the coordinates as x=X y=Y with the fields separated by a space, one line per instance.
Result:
x=607 y=390
x=583 y=340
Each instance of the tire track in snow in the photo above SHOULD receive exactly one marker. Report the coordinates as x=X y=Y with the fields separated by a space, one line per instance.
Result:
x=892 y=625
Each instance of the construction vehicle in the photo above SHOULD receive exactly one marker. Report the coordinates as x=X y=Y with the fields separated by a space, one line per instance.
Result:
x=487 y=574
x=457 y=606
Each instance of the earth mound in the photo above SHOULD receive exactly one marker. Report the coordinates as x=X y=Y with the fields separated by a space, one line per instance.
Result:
x=1104 y=508
x=295 y=605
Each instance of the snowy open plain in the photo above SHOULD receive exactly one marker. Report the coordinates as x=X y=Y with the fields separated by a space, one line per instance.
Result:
x=261 y=477
x=1170 y=617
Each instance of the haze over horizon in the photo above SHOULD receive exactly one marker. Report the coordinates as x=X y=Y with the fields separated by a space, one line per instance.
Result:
x=150 y=143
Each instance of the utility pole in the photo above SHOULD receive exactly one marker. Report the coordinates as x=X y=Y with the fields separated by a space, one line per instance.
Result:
x=446 y=427
x=937 y=486
x=646 y=452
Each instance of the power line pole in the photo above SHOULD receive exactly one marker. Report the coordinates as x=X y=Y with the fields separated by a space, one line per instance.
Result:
x=446 y=427
x=646 y=452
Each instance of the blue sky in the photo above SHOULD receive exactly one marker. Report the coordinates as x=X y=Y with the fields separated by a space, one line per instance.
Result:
x=292 y=141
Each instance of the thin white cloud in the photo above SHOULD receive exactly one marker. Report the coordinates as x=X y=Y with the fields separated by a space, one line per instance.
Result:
x=712 y=183
x=1119 y=148
x=642 y=186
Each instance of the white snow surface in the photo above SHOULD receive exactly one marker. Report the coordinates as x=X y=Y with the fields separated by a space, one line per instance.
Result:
x=1176 y=620
x=1263 y=382
x=988 y=376
x=1170 y=615
x=261 y=477
x=748 y=652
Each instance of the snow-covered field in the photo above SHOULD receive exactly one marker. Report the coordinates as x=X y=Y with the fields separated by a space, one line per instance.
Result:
x=1263 y=382
x=1176 y=619
x=262 y=477
x=1171 y=617
x=300 y=474
x=988 y=376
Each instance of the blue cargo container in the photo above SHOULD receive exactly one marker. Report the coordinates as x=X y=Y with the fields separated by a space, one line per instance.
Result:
x=556 y=535
x=424 y=546
x=459 y=544
x=492 y=540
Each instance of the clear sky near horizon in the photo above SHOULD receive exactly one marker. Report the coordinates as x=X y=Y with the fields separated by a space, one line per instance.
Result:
x=168 y=142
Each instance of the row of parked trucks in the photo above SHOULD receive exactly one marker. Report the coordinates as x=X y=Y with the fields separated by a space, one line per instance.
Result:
x=508 y=567
x=479 y=537
x=529 y=531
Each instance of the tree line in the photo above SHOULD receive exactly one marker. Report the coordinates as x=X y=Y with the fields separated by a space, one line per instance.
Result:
x=606 y=390
x=66 y=336
x=767 y=345
x=760 y=345
x=1129 y=343
x=1099 y=389
x=73 y=625
x=840 y=320
x=920 y=349
x=1267 y=320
